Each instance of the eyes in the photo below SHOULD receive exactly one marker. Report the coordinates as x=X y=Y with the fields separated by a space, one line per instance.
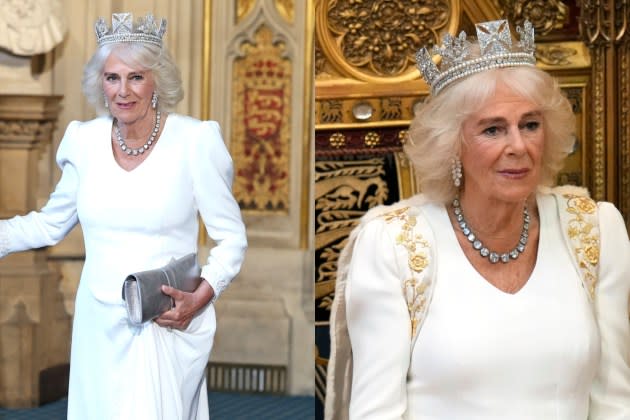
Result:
x=134 y=77
x=496 y=130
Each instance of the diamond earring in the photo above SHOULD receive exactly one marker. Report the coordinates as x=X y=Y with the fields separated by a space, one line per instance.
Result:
x=456 y=172
x=105 y=99
x=154 y=100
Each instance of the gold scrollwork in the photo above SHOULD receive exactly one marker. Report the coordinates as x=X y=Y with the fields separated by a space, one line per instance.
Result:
x=377 y=40
x=344 y=190
x=545 y=15
x=555 y=55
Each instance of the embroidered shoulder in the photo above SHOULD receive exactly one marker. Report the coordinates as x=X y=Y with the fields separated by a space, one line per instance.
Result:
x=582 y=230
x=417 y=283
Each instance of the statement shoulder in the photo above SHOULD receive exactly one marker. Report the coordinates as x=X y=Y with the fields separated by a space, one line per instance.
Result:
x=396 y=211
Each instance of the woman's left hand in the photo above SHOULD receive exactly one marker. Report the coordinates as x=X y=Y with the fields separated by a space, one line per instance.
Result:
x=186 y=305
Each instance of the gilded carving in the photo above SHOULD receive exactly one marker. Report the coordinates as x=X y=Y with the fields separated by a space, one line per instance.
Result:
x=261 y=122
x=330 y=111
x=598 y=160
x=337 y=140
x=403 y=135
x=372 y=139
x=545 y=15
x=622 y=15
x=595 y=23
x=391 y=108
x=554 y=55
x=344 y=191
x=379 y=38
x=243 y=7
x=286 y=9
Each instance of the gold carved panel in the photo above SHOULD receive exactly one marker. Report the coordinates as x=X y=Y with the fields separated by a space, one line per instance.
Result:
x=377 y=40
x=261 y=86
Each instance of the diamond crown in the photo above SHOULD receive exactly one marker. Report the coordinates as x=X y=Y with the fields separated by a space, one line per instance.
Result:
x=496 y=51
x=144 y=30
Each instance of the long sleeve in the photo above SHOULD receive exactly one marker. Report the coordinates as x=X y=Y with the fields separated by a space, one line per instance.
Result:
x=378 y=326
x=610 y=394
x=53 y=222
x=212 y=173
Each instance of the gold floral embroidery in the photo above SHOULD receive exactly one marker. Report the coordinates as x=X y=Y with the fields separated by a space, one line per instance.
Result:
x=417 y=248
x=584 y=236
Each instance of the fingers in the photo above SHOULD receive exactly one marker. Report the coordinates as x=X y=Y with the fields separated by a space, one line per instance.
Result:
x=166 y=320
x=173 y=292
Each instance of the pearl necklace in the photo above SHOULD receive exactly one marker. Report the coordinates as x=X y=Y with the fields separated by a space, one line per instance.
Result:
x=493 y=257
x=130 y=150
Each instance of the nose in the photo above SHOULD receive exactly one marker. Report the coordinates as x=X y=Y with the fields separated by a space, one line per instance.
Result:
x=122 y=91
x=516 y=142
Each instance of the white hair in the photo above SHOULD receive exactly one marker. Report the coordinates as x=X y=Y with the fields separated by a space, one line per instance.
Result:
x=168 y=81
x=435 y=134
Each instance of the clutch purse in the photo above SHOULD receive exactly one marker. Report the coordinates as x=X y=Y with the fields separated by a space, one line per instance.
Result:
x=142 y=291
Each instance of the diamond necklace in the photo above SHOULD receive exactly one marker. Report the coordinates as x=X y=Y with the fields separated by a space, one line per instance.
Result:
x=130 y=150
x=493 y=257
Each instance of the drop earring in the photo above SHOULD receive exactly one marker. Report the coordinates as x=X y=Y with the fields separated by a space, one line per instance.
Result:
x=456 y=172
x=105 y=100
x=154 y=100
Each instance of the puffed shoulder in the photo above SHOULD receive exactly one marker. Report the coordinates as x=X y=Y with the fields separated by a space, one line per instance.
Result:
x=208 y=145
x=69 y=148
x=78 y=134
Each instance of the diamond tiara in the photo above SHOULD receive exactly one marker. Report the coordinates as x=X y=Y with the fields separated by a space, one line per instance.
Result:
x=145 y=30
x=496 y=51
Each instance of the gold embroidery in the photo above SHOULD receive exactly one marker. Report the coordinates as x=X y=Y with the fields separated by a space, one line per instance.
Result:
x=417 y=248
x=584 y=237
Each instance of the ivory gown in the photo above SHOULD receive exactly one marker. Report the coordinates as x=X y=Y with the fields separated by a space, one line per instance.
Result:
x=134 y=221
x=542 y=353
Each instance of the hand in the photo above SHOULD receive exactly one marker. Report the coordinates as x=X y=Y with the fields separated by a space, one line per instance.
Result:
x=186 y=305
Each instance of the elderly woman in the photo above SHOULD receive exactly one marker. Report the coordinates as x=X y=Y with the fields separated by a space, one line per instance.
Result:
x=136 y=179
x=491 y=295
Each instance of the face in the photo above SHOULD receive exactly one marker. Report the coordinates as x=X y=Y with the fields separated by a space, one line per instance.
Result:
x=502 y=150
x=128 y=90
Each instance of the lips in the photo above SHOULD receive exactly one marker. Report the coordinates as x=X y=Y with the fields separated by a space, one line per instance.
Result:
x=127 y=105
x=514 y=173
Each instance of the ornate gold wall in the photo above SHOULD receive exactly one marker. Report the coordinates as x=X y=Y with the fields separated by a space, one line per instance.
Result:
x=366 y=87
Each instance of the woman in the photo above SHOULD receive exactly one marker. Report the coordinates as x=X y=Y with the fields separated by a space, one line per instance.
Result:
x=491 y=295
x=137 y=178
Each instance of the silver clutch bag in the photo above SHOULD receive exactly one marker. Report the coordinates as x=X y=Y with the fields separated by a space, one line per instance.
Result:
x=142 y=291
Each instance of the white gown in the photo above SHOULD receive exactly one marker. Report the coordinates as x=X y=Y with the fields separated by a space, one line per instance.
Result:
x=134 y=221
x=484 y=354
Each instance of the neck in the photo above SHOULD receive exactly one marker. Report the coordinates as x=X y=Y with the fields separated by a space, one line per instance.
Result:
x=495 y=218
x=139 y=129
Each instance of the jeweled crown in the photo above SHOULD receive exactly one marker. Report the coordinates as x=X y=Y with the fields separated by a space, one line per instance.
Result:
x=496 y=51
x=144 y=30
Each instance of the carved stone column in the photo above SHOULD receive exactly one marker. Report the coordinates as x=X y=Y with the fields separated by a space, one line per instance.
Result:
x=31 y=322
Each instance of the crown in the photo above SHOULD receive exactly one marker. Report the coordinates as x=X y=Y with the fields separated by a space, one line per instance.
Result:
x=145 y=30
x=496 y=51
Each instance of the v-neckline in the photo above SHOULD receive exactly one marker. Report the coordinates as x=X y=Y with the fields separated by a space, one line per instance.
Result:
x=156 y=147
x=452 y=238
